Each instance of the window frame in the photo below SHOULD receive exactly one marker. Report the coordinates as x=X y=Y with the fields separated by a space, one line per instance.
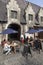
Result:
x=41 y=18
x=30 y=17
x=13 y=14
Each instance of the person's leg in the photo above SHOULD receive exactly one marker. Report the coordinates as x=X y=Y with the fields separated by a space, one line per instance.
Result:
x=29 y=51
x=39 y=50
x=12 y=49
x=8 y=51
x=5 y=50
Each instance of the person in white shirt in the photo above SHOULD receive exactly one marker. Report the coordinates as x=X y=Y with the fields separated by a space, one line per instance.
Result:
x=7 y=48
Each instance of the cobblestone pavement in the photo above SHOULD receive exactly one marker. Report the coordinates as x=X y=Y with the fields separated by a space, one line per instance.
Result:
x=18 y=59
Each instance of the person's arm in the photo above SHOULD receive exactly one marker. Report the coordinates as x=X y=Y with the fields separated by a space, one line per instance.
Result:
x=8 y=46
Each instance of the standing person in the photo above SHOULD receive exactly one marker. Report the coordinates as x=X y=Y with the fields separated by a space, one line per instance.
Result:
x=31 y=43
x=27 y=38
x=37 y=44
x=26 y=49
x=22 y=38
x=40 y=45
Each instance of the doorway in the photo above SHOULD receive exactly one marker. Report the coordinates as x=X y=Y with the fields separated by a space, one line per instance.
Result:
x=14 y=36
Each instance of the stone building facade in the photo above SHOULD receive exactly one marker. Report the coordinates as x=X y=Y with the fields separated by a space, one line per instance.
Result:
x=20 y=15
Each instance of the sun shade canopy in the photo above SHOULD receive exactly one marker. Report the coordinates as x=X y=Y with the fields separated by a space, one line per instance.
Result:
x=40 y=30
x=8 y=31
x=31 y=31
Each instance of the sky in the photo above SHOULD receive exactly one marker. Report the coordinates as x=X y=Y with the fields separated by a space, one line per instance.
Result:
x=37 y=2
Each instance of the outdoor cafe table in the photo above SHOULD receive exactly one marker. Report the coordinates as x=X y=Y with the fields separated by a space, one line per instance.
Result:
x=14 y=46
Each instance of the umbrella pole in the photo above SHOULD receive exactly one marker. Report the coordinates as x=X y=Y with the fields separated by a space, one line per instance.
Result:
x=34 y=35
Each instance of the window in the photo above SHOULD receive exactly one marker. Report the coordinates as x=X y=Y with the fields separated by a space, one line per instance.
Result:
x=14 y=14
x=41 y=19
x=30 y=17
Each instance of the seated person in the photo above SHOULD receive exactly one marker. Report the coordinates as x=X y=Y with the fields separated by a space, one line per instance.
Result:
x=3 y=42
x=6 y=49
x=36 y=44
x=13 y=47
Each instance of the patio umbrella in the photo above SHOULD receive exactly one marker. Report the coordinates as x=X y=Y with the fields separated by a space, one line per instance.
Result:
x=8 y=31
x=31 y=31
x=40 y=30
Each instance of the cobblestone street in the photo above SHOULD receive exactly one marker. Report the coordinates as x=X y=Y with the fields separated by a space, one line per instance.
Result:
x=18 y=59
